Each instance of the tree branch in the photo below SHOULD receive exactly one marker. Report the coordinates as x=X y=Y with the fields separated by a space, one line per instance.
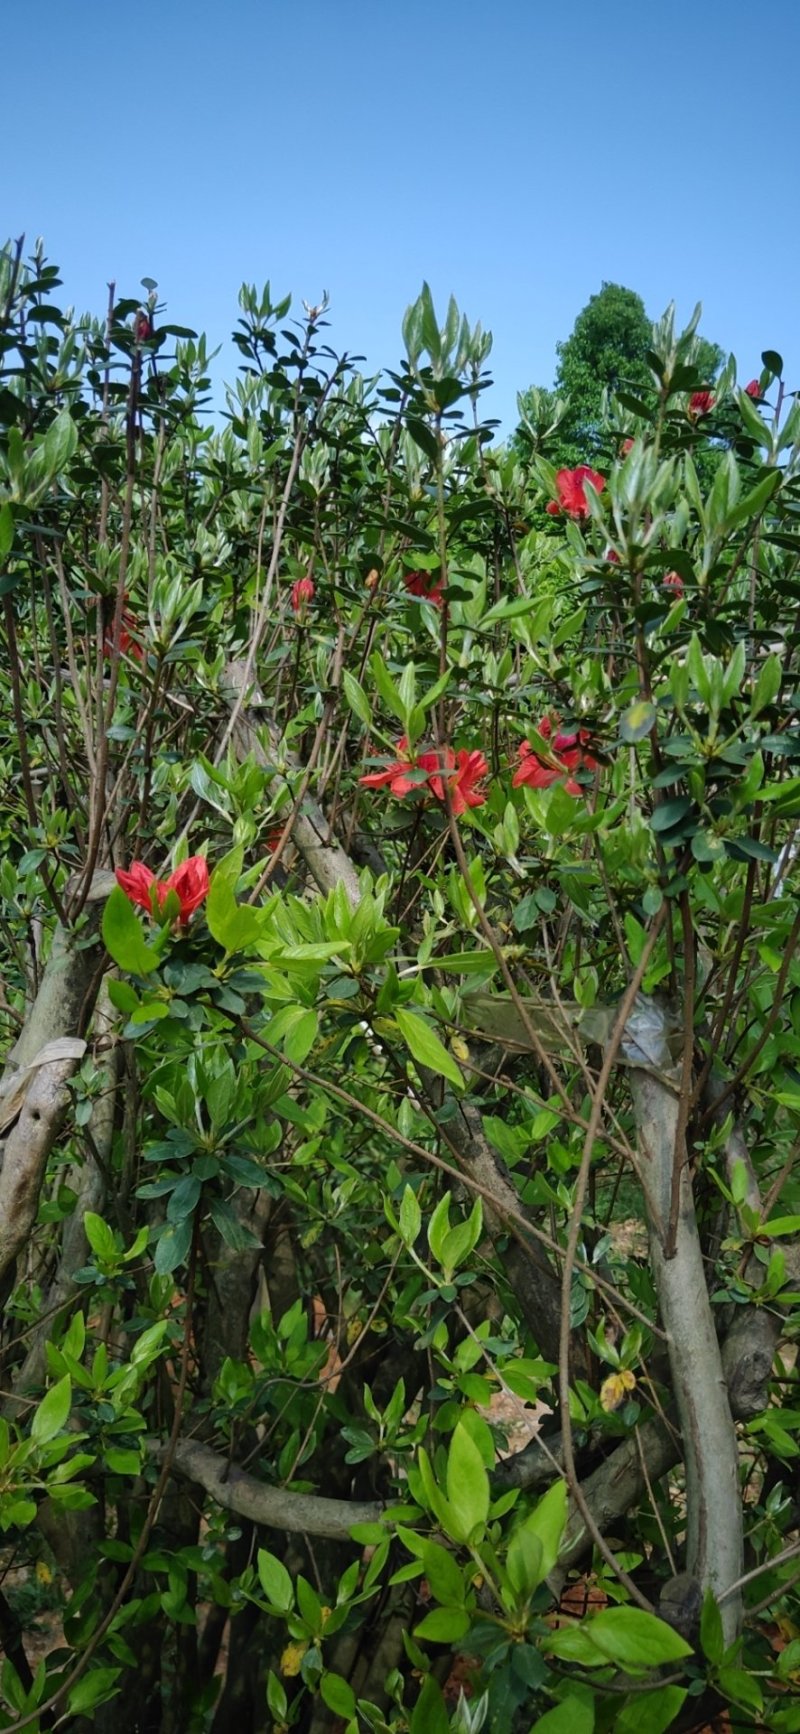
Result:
x=274 y=1507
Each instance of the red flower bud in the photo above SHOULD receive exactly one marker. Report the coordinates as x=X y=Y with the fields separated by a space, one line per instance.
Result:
x=700 y=403
x=302 y=594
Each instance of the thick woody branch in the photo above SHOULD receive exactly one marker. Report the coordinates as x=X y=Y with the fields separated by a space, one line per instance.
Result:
x=88 y=1181
x=714 y=1513
x=33 y=1093
x=274 y=1507
x=27 y=1148
x=527 y=1267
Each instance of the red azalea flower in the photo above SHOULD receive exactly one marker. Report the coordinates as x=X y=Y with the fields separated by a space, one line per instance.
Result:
x=570 y=752
x=142 y=328
x=127 y=644
x=626 y=447
x=424 y=585
x=612 y=557
x=673 y=581
x=701 y=403
x=571 y=485
x=190 y=881
x=396 y=774
x=753 y=388
x=463 y=771
x=302 y=594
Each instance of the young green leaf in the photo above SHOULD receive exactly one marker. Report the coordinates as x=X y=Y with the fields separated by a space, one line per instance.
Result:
x=425 y=1046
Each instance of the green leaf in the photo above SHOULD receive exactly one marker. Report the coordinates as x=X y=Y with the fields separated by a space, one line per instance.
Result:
x=635 y=1639
x=277 y=1700
x=780 y=1225
x=742 y=1687
x=275 y=1581
x=548 y=1522
x=357 y=698
x=443 y=1626
x=60 y=442
x=123 y=936
x=650 y=1713
x=122 y=996
x=52 y=1412
x=338 y=1695
x=295 y=1028
x=101 y=1237
x=439 y=1227
x=711 y=1634
x=95 y=1688
x=184 y=1198
x=467 y=1486
x=235 y=1234
x=637 y=721
x=430 y=1715
x=172 y=1247
x=443 y=1575
x=524 y=1562
x=236 y=926
x=511 y=610
x=386 y=687
x=424 y=437
x=574 y=1644
x=670 y=813
x=410 y=1217
x=6 y=530
x=571 y=1716
x=426 y=1047
x=753 y=503
x=768 y=685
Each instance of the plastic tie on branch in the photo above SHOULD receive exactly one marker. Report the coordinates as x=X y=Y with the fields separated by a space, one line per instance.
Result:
x=649 y=1036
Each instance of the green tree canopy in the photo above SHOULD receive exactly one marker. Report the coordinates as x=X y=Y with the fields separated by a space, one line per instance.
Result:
x=606 y=352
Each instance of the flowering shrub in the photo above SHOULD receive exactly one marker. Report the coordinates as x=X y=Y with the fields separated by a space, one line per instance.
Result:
x=397 y=1230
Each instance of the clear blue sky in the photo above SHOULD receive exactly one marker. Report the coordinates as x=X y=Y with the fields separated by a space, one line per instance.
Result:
x=515 y=154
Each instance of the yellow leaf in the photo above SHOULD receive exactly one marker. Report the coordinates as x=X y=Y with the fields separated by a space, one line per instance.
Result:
x=612 y=1390
x=291 y=1659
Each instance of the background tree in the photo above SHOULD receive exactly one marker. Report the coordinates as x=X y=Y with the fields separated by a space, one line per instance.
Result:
x=605 y=354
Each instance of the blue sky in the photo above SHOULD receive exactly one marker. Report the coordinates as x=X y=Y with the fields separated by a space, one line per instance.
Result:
x=516 y=155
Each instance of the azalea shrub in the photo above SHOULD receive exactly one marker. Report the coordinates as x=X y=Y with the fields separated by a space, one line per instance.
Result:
x=398 y=1200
